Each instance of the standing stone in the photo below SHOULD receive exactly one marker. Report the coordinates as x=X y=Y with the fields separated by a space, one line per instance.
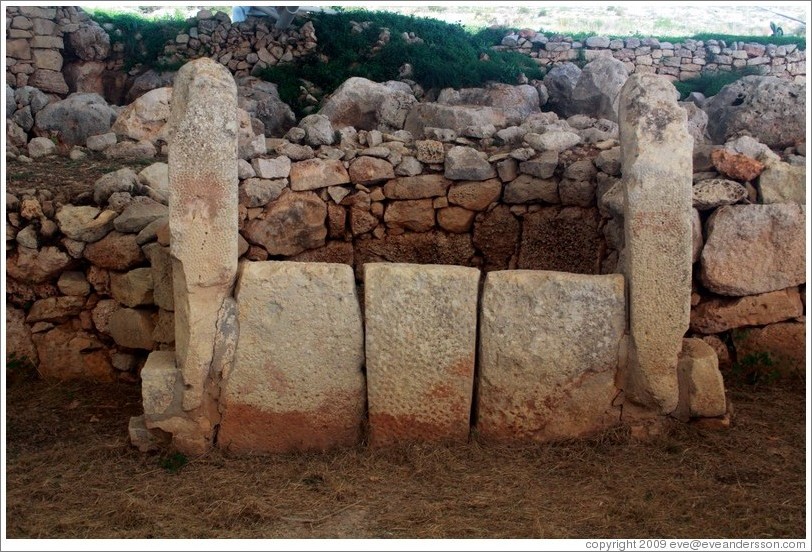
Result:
x=203 y=228
x=297 y=381
x=548 y=352
x=420 y=344
x=657 y=174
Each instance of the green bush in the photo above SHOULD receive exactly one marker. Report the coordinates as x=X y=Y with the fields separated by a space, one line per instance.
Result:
x=710 y=83
x=143 y=39
x=449 y=55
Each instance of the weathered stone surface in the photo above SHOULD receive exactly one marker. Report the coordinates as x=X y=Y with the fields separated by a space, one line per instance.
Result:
x=19 y=345
x=65 y=354
x=355 y=103
x=35 y=266
x=417 y=187
x=85 y=223
x=75 y=118
x=332 y=252
x=517 y=102
x=475 y=195
x=278 y=167
x=132 y=328
x=156 y=176
x=736 y=165
x=416 y=215
x=560 y=81
x=48 y=81
x=47 y=59
x=548 y=352
x=565 y=240
x=313 y=174
x=765 y=107
x=369 y=170
x=457 y=118
x=434 y=247
x=258 y=192
x=115 y=251
x=122 y=180
x=131 y=151
x=782 y=183
x=133 y=288
x=73 y=283
x=597 y=91
x=429 y=151
x=55 y=309
x=455 y=219
x=139 y=214
x=100 y=142
x=160 y=389
x=289 y=225
x=89 y=42
x=657 y=174
x=715 y=192
x=41 y=147
x=552 y=140
x=782 y=345
x=420 y=346
x=721 y=314
x=144 y=438
x=161 y=265
x=145 y=118
x=753 y=249
x=701 y=387
x=297 y=381
x=528 y=189
x=496 y=235
x=466 y=163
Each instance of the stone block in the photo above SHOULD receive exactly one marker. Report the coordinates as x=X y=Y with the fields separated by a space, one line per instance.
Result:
x=297 y=381
x=420 y=345
x=550 y=345
x=702 y=389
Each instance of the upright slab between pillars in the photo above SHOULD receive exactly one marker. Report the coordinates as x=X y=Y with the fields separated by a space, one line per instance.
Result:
x=297 y=382
x=420 y=345
x=657 y=175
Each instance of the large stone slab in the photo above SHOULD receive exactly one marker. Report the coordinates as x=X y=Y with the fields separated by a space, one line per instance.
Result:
x=657 y=160
x=297 y=381
x=420 y=345
x=752 y=249
x=549 y=349
x=203 y=228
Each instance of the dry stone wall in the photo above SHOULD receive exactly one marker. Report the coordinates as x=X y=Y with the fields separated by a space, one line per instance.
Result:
x=674 y=61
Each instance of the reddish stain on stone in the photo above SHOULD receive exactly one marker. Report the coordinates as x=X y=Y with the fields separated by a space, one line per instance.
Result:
x=249 y=430
x=386 y=429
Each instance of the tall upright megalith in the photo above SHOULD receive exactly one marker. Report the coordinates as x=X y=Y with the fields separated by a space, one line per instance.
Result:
x=203 y=247
x=657 y=169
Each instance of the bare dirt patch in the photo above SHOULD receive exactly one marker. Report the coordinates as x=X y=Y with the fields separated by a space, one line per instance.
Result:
x=71 y=473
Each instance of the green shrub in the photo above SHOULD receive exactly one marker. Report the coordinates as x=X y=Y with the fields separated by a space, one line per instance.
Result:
x=710 y=83
x=143 y=39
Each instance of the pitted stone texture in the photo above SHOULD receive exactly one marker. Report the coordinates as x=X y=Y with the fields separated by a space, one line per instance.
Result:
x=753 y=249
x=202 y=214
x=475 y=195
x=161 y=265
x=420 y=344
x=702 y=389
x=721 y=314
x=657 y=162
x=715 y=192
x=433 y=247
x=548 y=352
x=297 y=381
x=562 y=239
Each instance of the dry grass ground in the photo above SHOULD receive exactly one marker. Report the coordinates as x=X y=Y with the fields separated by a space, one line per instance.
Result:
x=71 y=473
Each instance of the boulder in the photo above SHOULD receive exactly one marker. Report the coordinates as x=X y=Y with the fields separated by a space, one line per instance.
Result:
x=318 y=130
x=75 y=118
x=701 y=387
x=466 y=163
x=736 y=165
x=752 y=249
x=715 y=192
x=313 y=174
x=65 y=354
x=769 y=109
x=289 y=225
x=89 y=42
x=598 y=88
x=517 y=102
x=456 y=118
x=35 y=266
x=115 y=251
x=560 y=82
x=85 y=223
x=721 y=314
x=367 y=170
x=122 y=180
x=355 y=103
x=41 y=147
x=145 y=118
x=49 y=81
x=781 y=183
x=149 y=80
